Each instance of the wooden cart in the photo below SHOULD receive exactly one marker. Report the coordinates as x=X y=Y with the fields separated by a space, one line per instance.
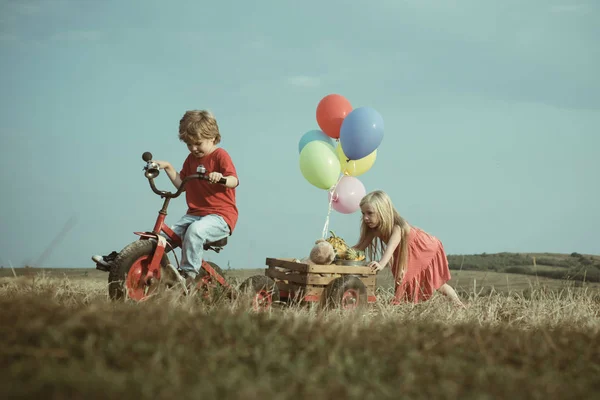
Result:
x=332 y=285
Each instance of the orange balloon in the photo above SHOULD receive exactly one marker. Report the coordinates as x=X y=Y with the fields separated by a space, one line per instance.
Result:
x=331 y=111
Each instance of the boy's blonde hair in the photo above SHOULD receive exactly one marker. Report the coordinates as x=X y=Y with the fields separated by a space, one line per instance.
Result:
x=198 y=124
x=388 y=218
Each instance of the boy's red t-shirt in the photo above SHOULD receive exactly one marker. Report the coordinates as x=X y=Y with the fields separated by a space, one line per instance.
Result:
x=204 y=198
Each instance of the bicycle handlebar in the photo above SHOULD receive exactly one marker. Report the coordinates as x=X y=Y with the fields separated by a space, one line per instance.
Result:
x=152 y=171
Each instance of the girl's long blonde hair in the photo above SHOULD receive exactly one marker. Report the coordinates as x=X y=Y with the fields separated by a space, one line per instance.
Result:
x=388 y=218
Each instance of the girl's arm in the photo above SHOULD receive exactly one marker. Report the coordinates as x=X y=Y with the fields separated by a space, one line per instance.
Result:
x=365 y=242
x=391 y=246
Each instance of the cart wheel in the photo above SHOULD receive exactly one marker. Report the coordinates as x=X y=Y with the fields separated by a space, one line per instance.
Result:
x=208 y=287
x=347 y=292
x=264 y=290
x=126 y=278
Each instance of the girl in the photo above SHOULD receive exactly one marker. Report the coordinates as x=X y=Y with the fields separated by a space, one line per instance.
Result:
x=418 y=261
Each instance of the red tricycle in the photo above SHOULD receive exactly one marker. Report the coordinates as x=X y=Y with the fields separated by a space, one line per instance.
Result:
x=136 y=270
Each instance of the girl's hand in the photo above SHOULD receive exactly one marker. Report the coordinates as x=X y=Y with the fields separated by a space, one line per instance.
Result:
x=214 y=177
x=375 y=266
x=400 y=277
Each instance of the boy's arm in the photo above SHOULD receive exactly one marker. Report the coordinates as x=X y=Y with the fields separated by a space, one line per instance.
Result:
x=171 y=172
x=232 y=181
x=228 y=171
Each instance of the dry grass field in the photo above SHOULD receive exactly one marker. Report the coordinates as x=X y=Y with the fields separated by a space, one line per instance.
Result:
x=520 y=338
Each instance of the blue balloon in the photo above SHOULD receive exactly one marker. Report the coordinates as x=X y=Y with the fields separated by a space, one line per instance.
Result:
x=361 y=132
x=315 y=135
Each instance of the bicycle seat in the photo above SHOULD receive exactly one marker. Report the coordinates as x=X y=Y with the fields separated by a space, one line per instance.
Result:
x=216 y=244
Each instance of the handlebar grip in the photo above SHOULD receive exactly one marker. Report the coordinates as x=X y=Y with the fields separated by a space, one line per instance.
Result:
x=222 y=181
x=147 y=156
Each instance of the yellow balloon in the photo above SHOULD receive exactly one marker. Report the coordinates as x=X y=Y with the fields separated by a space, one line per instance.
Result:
x=355 y=167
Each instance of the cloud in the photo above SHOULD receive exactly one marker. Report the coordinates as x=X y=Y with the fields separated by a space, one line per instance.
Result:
x=568 y=8
x=31 y=7
x=64 y=36
x=18 y=8
x=27 y=8
x=77 y=35
x=259 y=43
x=8 y=38
x=304 y=81
x=520 y=51
x=19 y=16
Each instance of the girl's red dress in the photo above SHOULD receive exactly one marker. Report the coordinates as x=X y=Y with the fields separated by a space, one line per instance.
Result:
x=426 y=271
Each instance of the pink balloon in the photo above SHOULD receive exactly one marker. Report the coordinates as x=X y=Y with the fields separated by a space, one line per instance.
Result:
x=347 y=195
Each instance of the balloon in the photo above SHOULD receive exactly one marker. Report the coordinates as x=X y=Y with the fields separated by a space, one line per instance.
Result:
x=315 y=134
x=331 y=111
x=347 y=195
x=361 y=132
x=319 y=164
x=355 y=167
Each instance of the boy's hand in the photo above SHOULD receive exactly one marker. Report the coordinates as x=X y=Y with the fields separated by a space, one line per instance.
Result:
x=214 y=177
x=163 y=164
x=171 y=172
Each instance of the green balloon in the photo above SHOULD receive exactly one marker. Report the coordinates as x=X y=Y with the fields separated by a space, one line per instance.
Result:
x=319 y=164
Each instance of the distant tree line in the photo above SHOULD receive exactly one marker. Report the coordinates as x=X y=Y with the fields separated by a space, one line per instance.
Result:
x=572 y=267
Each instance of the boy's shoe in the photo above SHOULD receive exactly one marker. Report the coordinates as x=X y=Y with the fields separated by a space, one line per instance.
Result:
x=171 y=276
x=189 y=283
x=104 y=263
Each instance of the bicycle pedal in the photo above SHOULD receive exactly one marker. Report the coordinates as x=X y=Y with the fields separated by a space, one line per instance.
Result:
x=102 y=268
x=101 y=263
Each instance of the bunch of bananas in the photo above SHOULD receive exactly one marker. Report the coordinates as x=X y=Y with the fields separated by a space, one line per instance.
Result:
x=343 y=251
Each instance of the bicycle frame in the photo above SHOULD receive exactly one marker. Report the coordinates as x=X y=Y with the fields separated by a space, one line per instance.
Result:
x=161 y=227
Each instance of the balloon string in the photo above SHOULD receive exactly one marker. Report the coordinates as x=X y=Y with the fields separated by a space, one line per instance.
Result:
x=332 y=191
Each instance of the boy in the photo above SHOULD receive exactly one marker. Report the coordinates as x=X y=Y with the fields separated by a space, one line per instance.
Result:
x=212 y=210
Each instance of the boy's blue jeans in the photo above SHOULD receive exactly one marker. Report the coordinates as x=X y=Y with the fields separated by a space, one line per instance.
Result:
x=194 y=231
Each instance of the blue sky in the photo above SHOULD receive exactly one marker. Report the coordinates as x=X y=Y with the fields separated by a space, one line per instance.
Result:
x=491 y=111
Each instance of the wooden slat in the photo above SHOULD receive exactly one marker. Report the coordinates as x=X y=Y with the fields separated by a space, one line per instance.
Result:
x=291 y=287
x=277 y=274
x=311 y=278
x=300 y=290
x=339 y=269
x=305 y=279
x=289 y=263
